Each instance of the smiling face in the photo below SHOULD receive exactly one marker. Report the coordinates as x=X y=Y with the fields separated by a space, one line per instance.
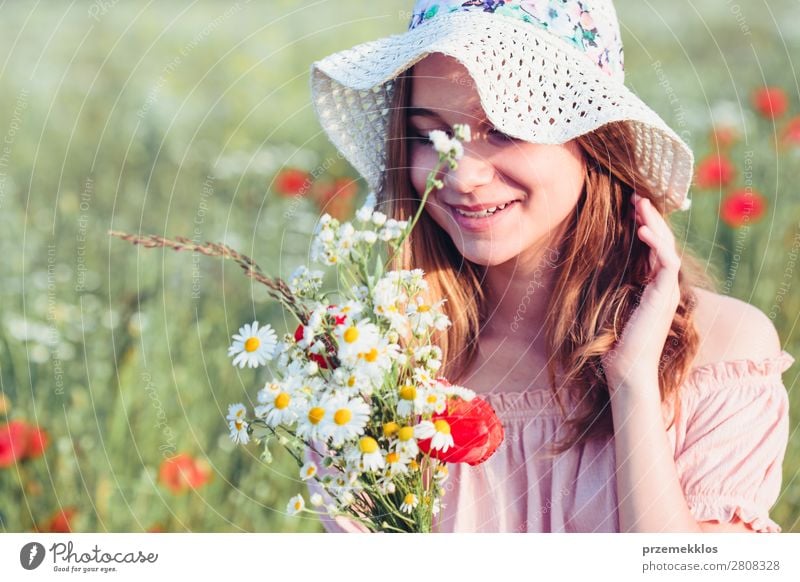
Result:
x=539 y=184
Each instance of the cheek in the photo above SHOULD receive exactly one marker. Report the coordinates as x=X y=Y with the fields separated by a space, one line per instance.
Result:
x=421 y=162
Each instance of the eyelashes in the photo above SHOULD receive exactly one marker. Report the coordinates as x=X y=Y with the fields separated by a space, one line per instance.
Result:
x=416 y=136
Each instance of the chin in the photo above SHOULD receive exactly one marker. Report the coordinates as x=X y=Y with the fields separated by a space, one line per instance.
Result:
x=488 y=257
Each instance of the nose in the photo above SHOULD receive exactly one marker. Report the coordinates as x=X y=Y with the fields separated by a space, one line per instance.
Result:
x=474 y=170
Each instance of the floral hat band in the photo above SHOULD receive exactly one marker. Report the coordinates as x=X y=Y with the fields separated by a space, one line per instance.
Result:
x=581 y=23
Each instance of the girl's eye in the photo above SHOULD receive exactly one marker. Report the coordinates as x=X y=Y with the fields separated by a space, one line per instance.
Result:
x=499 y=135
x=414 y=134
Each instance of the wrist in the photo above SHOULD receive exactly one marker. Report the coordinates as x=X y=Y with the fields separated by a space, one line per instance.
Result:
x=634 y=387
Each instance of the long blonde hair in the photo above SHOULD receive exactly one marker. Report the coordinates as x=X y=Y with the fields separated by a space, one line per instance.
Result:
x=602 y=266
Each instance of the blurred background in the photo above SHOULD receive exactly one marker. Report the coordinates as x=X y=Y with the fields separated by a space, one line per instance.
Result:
x=194 y=119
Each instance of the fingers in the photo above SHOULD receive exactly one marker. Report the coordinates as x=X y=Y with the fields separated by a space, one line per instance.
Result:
x=656 y=233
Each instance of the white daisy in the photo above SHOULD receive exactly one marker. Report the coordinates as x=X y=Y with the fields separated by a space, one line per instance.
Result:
x=438 y=431
x=356 y=338
x=253 y=346
x=409 y=399
x=278 y=405
x=422 y=315
x=433 y=401
x=407 y=442
x=396 y=464
x=352 y=381
x=296 y=505
x=310 y=421
x=442 y=473
x=410 y=501
x=308 y=470
x=372 y=457
x=316 y=500
x=238 y=424
x=346 y=419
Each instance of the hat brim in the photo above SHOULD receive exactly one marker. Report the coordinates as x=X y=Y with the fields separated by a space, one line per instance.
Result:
x=532 y=85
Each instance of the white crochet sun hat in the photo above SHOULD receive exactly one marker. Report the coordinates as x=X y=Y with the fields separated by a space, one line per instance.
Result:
x=546 y=72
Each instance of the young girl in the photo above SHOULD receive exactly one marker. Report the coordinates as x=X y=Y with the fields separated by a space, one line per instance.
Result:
x=633 y=397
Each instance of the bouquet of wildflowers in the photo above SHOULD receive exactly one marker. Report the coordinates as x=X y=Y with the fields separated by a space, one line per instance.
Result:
x=356 y=386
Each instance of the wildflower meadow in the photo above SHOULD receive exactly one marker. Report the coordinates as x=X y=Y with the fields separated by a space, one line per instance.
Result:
x=195 y=121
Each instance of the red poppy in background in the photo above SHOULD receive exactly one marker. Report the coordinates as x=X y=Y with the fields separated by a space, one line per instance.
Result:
x=791 y=133
x=182 y=472
x=37 y=442
x=13 y=442
x=714 y=171
x=19 y=441
x=60 y=522
x=771 y=102
x=336 y=196
x=475 y=428
x=723 y=137
x=292 y=182
x=742 y=206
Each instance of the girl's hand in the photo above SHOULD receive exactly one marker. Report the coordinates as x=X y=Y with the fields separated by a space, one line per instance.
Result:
x=634 y=360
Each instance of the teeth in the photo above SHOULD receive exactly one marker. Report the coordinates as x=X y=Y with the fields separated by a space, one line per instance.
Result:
x=484 y=213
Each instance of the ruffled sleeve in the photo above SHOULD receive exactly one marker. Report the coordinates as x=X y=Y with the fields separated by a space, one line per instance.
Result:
x=731 y=437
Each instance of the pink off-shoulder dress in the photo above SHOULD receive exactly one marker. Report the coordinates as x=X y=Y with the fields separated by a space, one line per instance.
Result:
x=729 y=442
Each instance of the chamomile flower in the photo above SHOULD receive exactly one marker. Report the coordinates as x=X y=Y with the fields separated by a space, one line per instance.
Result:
x=278 y=405
x=434 y=401
x=310 y=420
x=442 y=473
x=253 y=346
x=410 y=502
x=352 y=381
x=371 y=455
x=356 y=337
x=347 y=419
x=308 y=470
x=407 y=442
x=407 y=397
x=317 y=500
x=296 y=505
x=438 y=431
x=238 y=424
x=396 y=464
x=423 y=315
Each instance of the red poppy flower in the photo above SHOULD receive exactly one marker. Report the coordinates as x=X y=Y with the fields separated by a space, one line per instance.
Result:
x=37 y=442
x=335 y=197
x=714 y=171
x=742 y=206
x=723 y=137
x=475 y=428
x=771 y=102
x=60 y=522
x=181 y=473
x=14 y=438
x=292 y=182
x=318 y=358
x=791 y=133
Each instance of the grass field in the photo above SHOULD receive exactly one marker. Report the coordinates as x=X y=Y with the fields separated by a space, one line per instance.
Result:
x=175 y=119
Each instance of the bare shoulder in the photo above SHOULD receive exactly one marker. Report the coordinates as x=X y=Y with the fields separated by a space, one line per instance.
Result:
x=732 y=329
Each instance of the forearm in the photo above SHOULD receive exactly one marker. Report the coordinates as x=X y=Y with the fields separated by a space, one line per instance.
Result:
x=650 y=497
